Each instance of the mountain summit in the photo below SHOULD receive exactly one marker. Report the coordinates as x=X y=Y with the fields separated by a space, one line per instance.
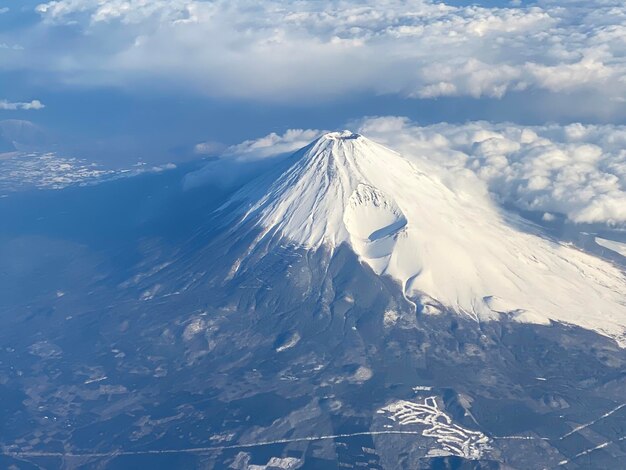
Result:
x=446 y=243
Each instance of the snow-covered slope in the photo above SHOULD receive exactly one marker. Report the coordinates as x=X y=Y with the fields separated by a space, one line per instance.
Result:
x=612 y=245
x=445 y=242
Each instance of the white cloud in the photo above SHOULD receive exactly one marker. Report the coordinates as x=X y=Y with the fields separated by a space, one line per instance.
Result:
x=127 y=11
x=308 y=50
x=470 y=78
x=273 y=144
x=4 y=10
x=10 y=106
x=562 y=77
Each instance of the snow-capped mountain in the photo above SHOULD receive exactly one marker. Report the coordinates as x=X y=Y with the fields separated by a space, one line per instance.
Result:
x=440 y=236
x=328 y=314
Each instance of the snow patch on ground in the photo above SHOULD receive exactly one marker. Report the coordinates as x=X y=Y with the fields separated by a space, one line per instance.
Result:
x=196 y=326
x=452 y=438
x=390 y=318
x=290 y=343
x=617 y=247
x=285 y=463
x=362 y=374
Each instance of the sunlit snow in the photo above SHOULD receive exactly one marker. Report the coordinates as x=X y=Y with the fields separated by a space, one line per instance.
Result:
x=437 y=233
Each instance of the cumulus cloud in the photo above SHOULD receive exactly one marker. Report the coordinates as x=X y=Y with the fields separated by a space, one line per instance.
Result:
x=309 y=50
x=575 y=170
x=10 y=106
x=272 y=144
x=127 y=11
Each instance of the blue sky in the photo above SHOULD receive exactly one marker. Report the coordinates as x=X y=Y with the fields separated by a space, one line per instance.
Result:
x=121 y=80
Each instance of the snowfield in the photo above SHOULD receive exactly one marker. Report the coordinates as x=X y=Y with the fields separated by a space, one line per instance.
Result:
x=436 y=232
x=617 y=247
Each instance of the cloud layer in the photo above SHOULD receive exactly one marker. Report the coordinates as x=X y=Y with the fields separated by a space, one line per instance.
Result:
x=307 y=50
x=576 y=170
